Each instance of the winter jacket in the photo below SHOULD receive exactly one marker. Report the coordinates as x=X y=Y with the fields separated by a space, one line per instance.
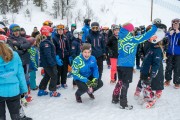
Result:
x=113 y=47
x=76 y=47
x=174 y=44
x=61 y=45
x=97 y=43
x=34 y=34
x=21 y=47
x=47 y=53
x=127 y=46
x=152 y=61
x=12 y=79
x=82 y=68
x=85 y=29
x=34 y=58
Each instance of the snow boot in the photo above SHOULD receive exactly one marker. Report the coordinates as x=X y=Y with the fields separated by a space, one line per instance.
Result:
x=115 y=99
x=42 y=93
x=25 y=118
x=176 y=86
x=91 y=95
x=137 y=93
x=78 y=99
x=64 y=86
x=124 y=105
x=54 y=94
x=167 y=83
x=158 y=93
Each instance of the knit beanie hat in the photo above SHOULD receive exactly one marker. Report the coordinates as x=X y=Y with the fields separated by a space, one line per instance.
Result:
x=129 y=27
x=86 y=46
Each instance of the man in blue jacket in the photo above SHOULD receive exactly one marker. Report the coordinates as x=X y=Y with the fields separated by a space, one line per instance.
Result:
x=173 y=55
x=127 y=46
x=86 y=29
x=85 y=73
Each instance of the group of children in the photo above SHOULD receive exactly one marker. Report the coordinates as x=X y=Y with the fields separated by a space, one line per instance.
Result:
x=84 y=50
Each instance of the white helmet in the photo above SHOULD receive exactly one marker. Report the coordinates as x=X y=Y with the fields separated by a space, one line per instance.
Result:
x=156 y=21
x=158 y=36
x=77 y=32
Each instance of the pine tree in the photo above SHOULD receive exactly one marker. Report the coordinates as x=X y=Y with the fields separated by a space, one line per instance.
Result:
x=4 y=6
x=15 y=5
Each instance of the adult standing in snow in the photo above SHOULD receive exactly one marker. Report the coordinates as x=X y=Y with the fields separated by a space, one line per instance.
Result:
x=86 y=29
x=62 y=52
x=85 y=73
x=48 y=62
x=173 y=55
x=127 y=46
x=35 y=32
x=96 y=39
x=113 y=52
x=12 y=81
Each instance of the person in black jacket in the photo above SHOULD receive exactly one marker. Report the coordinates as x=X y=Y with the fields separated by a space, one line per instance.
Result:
x=112 y=45
x=48 y=62
x=98 y=47
x=62 y=50
x=35 y=32
x=76 y=46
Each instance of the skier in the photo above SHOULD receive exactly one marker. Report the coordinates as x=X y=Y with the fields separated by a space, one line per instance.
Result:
x=127 y=46
x=35 y=32
x=98 y=47
x=113 y=52
x=173 y=55
x=151 y=75
x=62 y=51
x=12 y=81
x=85 y=73
x=48 y=62
x=76 y=46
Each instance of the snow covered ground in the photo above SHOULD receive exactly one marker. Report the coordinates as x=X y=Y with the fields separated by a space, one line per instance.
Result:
x=66 y=108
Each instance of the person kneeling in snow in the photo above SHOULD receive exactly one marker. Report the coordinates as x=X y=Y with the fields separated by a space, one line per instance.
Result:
x=85 y=73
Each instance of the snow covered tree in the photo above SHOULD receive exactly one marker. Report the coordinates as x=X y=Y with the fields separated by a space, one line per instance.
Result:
x=15 y=5
x=4 y=6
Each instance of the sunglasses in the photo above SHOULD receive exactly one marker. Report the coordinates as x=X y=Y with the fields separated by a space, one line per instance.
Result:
x=60 y=26
x=16 y=28
x=176 y=21
x=95 y=28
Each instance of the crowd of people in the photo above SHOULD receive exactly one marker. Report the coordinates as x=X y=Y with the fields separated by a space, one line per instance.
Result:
x=80 y=53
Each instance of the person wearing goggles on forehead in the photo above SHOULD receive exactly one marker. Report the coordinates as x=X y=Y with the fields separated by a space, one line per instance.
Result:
x=112 y=45
x=173 y=55
x=98 y=46
x=86 y=29
x=62 y=54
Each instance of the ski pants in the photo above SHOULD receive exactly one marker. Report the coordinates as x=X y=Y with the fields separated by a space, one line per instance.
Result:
x=83 y=88
x=62 y=72
x=100 y=65
x=113 y=68
x=13 y=104
x=173 y=65
x=50 y=75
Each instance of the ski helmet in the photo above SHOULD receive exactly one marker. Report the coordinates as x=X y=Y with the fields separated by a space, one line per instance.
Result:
x=60 y=26
x=73 y=25
x=158 y=36
x=46 y=30
x=47 y=23
x=77 y=32
x=157 y=21
x=14 y=28
x=114 y=27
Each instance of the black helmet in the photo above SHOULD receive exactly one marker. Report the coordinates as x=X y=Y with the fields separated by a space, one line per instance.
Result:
x=87 y=20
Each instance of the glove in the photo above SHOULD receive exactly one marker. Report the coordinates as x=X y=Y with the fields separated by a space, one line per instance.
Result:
x=59 y=61
x=70 y=60
x=16 y=44
x=92 y=83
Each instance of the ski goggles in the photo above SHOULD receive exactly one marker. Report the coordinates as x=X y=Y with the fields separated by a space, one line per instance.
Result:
x=176 y=20
x=60 y=27
x=95 y=28
x=16 y=28
x=81 y=33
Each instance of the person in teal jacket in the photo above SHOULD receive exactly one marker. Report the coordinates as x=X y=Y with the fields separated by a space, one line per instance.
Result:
x=85 y=73
x=12 y=81
x=127 y=47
